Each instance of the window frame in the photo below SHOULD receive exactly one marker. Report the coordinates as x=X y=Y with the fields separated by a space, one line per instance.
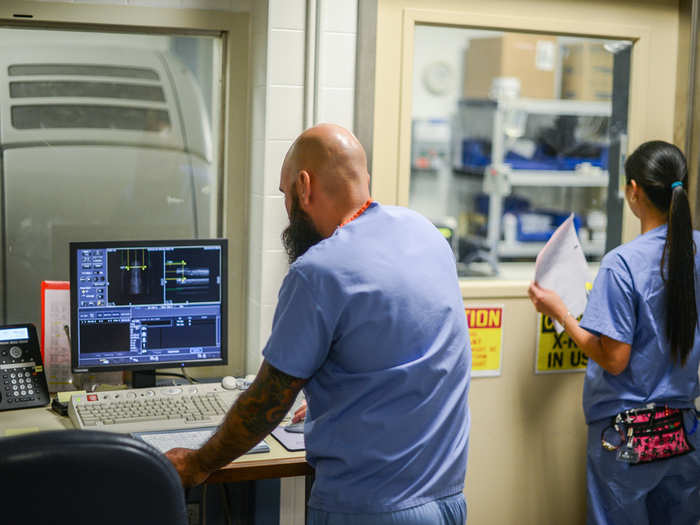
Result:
x=233 y=27
x=396 y=21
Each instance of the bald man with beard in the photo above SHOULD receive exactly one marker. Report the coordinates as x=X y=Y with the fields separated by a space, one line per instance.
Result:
x=370 y=323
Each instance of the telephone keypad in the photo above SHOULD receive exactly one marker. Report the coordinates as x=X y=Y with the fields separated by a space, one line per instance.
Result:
x=24 y=382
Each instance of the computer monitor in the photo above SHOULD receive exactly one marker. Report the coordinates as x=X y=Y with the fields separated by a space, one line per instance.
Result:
x=144 y=305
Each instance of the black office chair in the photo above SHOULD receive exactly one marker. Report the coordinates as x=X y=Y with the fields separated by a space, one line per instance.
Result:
x=85 y=477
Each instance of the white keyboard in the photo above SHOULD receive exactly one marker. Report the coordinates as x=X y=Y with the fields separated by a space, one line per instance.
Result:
x=152 y=409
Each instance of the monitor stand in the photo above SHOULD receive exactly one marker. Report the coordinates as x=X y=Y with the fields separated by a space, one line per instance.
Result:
x=143 y=378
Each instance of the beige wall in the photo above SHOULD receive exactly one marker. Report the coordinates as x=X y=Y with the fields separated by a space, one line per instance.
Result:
x=527 y=448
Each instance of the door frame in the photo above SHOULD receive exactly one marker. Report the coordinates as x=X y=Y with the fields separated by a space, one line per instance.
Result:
x=396 y=21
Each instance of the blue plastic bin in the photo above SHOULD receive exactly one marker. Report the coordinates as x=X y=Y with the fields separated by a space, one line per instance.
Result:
x=556 y=218
x=476 y=156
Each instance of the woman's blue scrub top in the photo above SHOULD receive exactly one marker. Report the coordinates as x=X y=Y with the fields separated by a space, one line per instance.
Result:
x=627 y=303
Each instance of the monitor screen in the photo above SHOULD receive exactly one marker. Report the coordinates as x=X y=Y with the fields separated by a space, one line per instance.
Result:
x=148 y=304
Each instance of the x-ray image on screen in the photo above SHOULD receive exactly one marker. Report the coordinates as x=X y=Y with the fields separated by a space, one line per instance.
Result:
x=192 y=275
x=142 y=305
x=134 y=276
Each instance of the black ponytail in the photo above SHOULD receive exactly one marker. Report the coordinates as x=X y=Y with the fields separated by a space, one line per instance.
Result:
x=660 y=169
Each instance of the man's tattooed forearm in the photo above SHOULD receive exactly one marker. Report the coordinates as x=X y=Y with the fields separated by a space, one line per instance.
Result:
x=268 y=399
x=255 y=414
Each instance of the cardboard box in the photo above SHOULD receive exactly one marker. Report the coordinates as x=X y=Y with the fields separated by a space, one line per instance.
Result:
x=530 y=58
x=587 y=72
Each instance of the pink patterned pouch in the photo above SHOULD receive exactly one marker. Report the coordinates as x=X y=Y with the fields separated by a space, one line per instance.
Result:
x=647 y=434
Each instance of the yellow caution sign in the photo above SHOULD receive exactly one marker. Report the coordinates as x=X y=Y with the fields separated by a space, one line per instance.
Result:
x=486 y=338
x=557 y=352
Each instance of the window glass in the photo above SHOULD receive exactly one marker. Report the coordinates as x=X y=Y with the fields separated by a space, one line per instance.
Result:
x=104 y=136
x=511 y=133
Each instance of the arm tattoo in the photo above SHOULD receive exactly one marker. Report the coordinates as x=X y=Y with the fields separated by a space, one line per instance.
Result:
x=256 y=412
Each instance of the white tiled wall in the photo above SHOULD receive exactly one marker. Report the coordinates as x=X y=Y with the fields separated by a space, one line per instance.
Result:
x=285 y=111
x=275 y=150
x=336 y=83
x=278 y=118
x=286 y=52
x=280 y=72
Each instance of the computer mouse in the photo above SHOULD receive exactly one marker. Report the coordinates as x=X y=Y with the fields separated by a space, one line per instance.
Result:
x=229 y=383
x=297 y=428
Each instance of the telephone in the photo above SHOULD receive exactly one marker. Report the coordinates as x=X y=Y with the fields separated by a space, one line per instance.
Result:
x=21 y=369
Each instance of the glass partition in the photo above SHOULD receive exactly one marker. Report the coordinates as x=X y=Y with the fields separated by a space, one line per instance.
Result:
x=104 y=136
x=512 y=133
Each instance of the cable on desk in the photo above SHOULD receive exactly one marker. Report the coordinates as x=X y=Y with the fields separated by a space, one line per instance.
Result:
x=227 y=508
x=204 y=504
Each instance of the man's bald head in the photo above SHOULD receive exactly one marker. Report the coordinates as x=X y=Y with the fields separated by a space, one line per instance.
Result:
x=324 y=180
x=331 y=154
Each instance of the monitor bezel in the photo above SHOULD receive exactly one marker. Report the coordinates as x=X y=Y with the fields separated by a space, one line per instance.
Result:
x=96 y=245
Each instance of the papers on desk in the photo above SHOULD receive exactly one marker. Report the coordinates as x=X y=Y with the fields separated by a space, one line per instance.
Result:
x=561 y=266
x=292 y=441
x=55 y=339
x=194 y=438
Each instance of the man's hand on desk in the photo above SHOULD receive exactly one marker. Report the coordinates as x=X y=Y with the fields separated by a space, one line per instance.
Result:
x=256 y=412
x=186 y=464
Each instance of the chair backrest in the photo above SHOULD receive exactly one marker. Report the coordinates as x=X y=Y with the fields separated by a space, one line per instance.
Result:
x=78 y=477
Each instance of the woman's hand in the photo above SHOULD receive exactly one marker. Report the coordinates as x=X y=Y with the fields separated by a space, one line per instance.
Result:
x=547 y=302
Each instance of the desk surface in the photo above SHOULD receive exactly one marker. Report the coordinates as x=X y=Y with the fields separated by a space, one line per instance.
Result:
x=277 y=463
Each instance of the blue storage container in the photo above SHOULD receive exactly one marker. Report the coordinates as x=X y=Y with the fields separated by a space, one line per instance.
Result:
x=476 y=155
x=544 y=225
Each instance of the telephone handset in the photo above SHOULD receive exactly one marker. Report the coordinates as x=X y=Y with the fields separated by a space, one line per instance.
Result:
x=22 y=377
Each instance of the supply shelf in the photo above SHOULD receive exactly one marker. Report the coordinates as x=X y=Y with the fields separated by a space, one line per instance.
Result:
x=499 y=177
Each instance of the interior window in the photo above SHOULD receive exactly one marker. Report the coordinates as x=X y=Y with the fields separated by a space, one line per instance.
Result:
x=105 y=136
x=511 y=133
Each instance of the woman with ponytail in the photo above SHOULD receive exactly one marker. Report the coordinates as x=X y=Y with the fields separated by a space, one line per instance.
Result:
x=640 y=331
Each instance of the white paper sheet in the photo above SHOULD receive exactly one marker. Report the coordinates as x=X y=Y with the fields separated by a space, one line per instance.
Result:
x=561 y=266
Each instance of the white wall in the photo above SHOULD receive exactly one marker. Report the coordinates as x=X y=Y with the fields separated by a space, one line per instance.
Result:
x=336 y=82
x=278 y=117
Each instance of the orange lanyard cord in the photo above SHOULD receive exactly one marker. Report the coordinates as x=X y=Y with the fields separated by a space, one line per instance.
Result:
x=357 y=213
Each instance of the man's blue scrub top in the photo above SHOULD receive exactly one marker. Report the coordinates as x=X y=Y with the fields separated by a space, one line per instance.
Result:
x=373 y=316
x=627 y=304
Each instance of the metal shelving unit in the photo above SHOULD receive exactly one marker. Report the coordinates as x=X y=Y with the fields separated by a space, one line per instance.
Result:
x=531 y=249
x=499 y=177
x=584 y=178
